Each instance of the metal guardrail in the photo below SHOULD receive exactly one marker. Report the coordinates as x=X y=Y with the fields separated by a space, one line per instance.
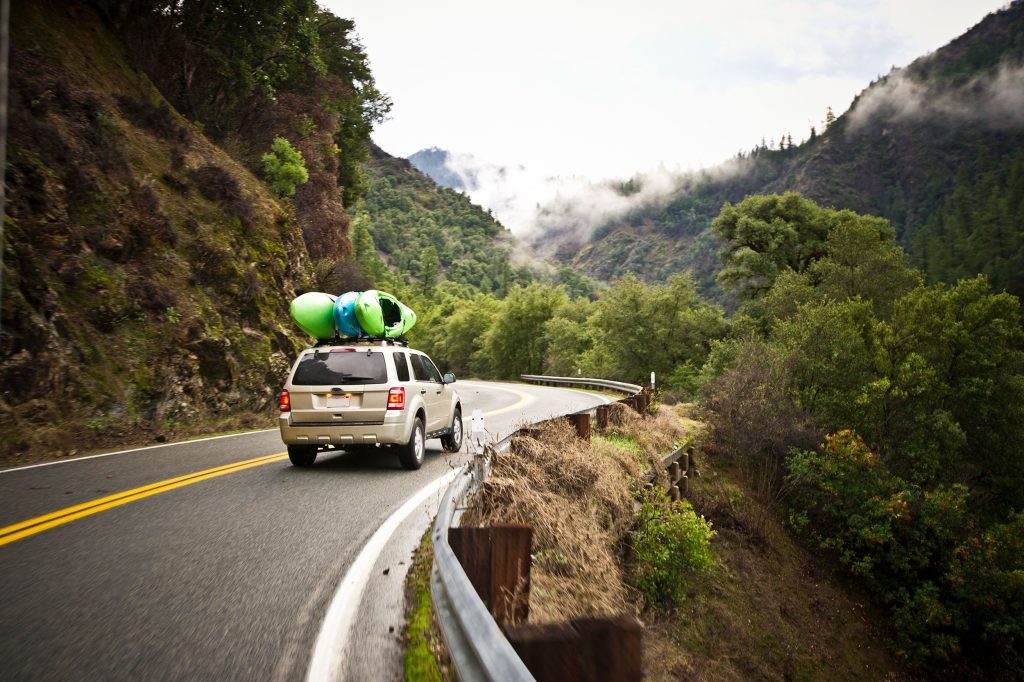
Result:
x=476 y=645
x=582 y=383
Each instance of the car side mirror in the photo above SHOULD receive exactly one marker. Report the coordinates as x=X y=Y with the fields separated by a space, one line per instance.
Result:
x=448 y=378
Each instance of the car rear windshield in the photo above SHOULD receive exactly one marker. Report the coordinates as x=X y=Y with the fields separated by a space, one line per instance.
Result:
x=340 y=368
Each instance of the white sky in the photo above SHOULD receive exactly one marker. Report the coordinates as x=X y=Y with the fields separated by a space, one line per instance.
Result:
x=603 y=89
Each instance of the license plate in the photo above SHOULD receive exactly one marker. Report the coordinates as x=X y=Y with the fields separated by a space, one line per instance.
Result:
x=338 y=401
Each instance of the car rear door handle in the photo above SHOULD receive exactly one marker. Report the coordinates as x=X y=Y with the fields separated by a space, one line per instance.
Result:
x=423 y=391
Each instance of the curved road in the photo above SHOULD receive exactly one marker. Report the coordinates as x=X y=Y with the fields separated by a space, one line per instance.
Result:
x=228 y=570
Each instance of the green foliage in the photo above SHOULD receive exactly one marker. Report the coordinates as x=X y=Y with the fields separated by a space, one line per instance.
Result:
x=420 y=663
x=897 y=537
x=922 y=388
x=427 y=234
x=568 y=336
x=515 y=341
x=453 y=330
x=638 y=328
x=284 y=167
x=977 y=229
x=670 y=544
x=767 y=235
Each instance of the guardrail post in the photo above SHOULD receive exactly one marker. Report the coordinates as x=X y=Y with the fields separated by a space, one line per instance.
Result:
x=602 y=418
x=497 y=562
x=598 y=649
x=581 y=421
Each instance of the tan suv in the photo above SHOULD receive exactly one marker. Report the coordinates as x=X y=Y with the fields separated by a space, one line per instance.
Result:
x=358 y=395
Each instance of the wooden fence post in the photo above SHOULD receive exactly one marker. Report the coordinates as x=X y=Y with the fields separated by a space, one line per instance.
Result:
x=591 y=649
x=497 y=561
x=582 y=423
x=602 y=418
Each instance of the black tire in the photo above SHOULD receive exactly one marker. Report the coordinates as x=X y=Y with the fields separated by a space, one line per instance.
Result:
x=302 y=455
x=452 y=441
x=412 y=454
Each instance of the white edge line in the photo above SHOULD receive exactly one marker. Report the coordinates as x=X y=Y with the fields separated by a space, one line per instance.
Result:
x=325 y=664
x=122 y=452
x=331 y=641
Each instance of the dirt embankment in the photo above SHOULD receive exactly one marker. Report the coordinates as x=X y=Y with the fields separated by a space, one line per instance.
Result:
x=766 y=610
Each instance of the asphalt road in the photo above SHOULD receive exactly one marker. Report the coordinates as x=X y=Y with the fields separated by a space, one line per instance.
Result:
x=226 y=578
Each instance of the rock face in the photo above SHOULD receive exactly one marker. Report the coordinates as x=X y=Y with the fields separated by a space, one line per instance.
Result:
x=147 y=274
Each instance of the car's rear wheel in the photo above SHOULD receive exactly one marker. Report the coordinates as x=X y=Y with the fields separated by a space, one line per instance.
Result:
x=452 y=442
x=411 y=454
x=302 y=455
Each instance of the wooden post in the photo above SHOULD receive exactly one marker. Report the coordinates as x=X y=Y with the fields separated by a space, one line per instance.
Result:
x=643 y=402
x=552 y=652
x=582 y=423
x=592 y=649
x=602 y=418
x=497 y=562
x=613 y=648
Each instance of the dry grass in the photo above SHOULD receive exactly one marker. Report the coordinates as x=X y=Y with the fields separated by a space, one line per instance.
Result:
x=579 y=499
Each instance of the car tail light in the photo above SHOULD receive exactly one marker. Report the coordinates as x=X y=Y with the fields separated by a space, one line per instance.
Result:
x=285 y=401
x=396 y=398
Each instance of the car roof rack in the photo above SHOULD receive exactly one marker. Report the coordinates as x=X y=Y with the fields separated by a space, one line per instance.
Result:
x=376 y=340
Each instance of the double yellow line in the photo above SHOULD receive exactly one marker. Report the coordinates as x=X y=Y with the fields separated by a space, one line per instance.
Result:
x=23 y=529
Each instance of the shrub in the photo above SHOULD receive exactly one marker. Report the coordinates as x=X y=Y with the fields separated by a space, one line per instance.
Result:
x=670 y=543
x=284 y=166
x=896 y=536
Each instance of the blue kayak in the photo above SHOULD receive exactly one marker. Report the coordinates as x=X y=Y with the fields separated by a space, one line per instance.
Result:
x=345 y=315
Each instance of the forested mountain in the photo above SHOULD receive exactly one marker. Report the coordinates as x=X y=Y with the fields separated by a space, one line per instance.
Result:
x=935 y=147
x=410 y=231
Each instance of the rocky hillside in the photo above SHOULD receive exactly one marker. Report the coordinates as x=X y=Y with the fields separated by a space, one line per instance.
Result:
x=950 y=121
x=149 y=253
x=147 y=273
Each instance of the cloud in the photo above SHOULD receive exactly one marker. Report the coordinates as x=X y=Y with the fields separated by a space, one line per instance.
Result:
x=567 y=209
x=995 y=100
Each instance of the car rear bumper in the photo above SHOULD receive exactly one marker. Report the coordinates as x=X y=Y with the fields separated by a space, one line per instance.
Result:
x=393 y=430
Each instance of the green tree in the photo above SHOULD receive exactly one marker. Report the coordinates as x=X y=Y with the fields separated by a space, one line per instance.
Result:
x=640 y=328
x=765 y=235
x=284 y=167
x=515 y=343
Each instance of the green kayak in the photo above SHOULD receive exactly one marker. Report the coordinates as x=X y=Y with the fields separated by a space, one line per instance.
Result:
x=382 y=315
x=314 y=313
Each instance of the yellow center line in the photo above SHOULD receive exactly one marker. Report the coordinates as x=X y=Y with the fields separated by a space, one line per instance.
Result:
x=23 y=529
x=524 y=399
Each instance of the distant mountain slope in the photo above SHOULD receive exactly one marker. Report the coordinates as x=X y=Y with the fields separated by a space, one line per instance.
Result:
x=433 y=163
x=409 y=229
x=898 y=152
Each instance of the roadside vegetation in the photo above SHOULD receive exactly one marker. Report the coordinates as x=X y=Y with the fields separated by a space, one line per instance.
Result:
x=722 y=589
x=425 y=654
x=882 y=417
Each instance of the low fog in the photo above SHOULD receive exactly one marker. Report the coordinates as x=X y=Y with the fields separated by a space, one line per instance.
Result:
x=995 y=100
x=534 y=206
